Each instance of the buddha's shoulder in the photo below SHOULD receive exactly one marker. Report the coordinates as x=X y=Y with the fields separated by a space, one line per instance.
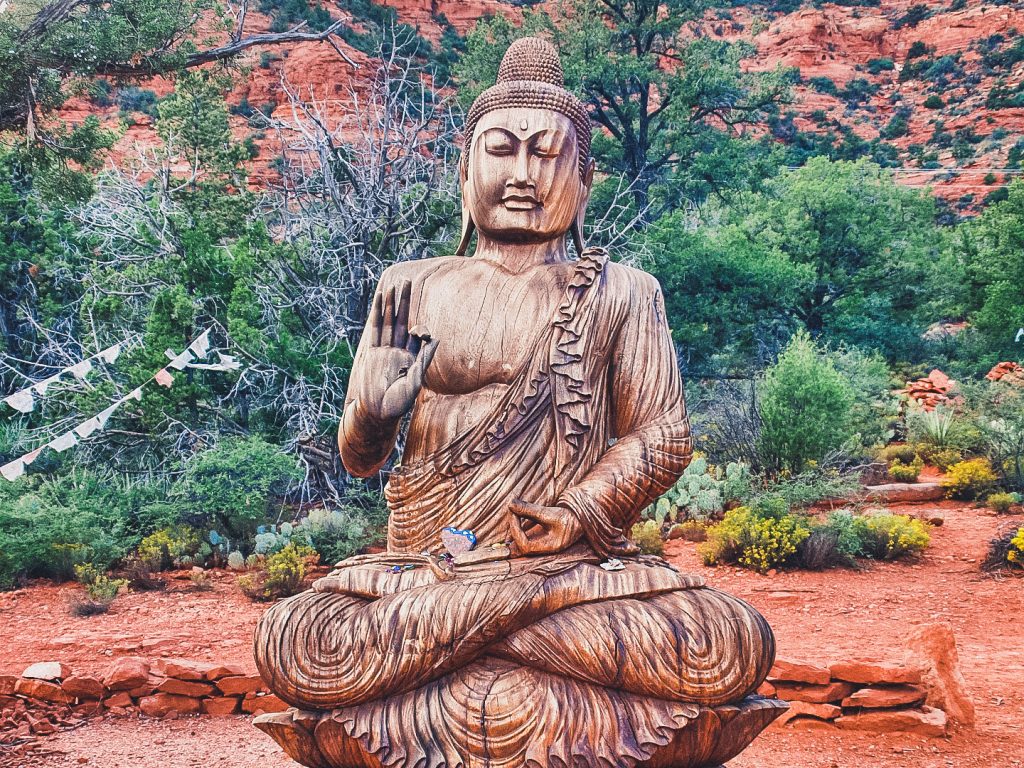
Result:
x=630 y=280
x=417 y=269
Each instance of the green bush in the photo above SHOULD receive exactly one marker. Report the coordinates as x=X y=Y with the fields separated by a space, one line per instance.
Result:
x=647 y=535
x=971 y=479
x=279 y=575
x=100 y=591
x=934 y=102
x=163 y=549
x=232 y=486
x=341 y=533
x=887 y=537
x=904 y=453
x=760 y=537
x=1001 y=502
x=906 y=473
x=805 y=406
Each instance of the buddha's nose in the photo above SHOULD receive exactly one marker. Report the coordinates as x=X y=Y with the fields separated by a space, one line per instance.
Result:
x=521 y=170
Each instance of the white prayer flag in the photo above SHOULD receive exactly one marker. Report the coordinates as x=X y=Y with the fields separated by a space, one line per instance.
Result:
x=41 y=386
x=21 y=401
x=178 y=362
x=227 y=363
x=110 y=354
x=164 y=378
x=81 y=370
x=62 y=443
x=13 y=470
x=28 y=458
x=135 y=394
x=104 y=416
x=86 y=428
x=201 y=345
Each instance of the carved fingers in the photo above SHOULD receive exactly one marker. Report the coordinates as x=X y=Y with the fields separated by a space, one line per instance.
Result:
x=536 y=529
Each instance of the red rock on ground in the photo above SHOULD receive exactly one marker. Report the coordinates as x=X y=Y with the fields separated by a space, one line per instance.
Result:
x=806 y=709
x=161 y=704
x=926 y=721
x=54 y=671
x=799 y=672
x=41 y=689
x=83 y=687
x=120 y=699
x=872 y=673
x=257 y=704
x=241 y=684
x=1009 y=373
x=224 y=670
x=182 y=669
x=218 y=707
x=125 y=674
x=185 y=687
x=813 y=694
x=8 y=684
x=935 y=645
x=881 y=697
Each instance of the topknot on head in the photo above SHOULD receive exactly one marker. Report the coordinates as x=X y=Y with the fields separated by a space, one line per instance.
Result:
x=531 y=58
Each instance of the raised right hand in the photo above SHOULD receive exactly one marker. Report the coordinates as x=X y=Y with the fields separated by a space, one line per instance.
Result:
x=390 y=373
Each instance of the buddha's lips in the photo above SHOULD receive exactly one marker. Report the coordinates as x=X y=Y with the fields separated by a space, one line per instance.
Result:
x=520 y=202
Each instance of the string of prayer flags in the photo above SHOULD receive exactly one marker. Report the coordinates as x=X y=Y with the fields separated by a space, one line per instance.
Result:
x=227 y=363
x=23 y=401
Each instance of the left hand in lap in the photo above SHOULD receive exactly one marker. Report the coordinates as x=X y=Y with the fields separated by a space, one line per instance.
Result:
x=540 y=530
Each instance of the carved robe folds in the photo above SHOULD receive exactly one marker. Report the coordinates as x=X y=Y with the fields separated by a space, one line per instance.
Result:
x=535 y=661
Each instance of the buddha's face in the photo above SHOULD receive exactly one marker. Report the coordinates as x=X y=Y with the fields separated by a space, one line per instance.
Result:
x=523 y=182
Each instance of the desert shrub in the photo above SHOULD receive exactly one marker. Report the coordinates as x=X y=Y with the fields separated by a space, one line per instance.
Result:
x=1005 y=551
x=944 y=458
x=934 y=102
x=879 y=65
x=906 y=473
x=236 y=561
x=805 y=407
x=200 y=580
x=887 y=537
x=647 y=535
x=903 y=453
x=930 y=427
x=996 y=413
x=164 y=549
x=759 y=537
x=232 y=486
x=690 y=530
x=874 y=409
x=279 y=575
x=809 y=487
x=1001 y=502
x=338 y=534
x=41 y=537
x=971 y=479
x=820 y=550
x=100 y=591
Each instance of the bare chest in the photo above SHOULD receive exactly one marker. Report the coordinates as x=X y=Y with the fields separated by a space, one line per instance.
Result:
x=488 y=322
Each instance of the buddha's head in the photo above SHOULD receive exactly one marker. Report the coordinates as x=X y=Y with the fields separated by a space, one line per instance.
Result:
x=526 y=170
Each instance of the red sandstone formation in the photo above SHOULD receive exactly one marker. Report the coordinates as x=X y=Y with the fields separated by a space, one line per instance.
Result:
x=931 y=391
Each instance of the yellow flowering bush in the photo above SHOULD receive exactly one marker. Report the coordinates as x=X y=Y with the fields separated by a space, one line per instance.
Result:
x=755 y=537
x=162 y=549
x=906 y=473
x=647 y=536
x=971 y=479
x=887 y=537
x=1015 y=555
x=281 y=574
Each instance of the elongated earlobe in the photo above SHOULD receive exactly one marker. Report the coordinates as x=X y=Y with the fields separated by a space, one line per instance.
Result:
x=468 y=227
x=581 y=212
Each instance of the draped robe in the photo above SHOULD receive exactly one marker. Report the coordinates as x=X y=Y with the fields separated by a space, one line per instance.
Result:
x=412 y=663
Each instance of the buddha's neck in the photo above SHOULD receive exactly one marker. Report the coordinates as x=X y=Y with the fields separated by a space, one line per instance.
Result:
x=519 y=257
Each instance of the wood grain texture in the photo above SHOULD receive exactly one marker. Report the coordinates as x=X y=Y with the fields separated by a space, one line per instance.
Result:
x=545 y=412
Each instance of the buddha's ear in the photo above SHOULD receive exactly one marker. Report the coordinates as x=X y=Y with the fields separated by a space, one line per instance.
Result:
x=581 y=210
x=468 y=227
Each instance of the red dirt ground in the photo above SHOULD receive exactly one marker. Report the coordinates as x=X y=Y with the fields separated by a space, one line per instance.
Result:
x=817 y=617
